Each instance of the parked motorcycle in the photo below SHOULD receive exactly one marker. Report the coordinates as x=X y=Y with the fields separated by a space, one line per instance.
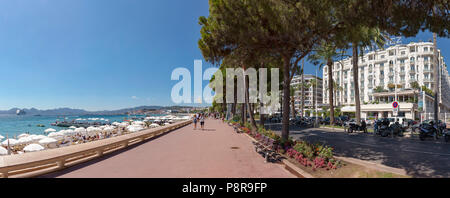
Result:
x=429 y=129
x=382 y=128
x=354 y=127
x=446 y=135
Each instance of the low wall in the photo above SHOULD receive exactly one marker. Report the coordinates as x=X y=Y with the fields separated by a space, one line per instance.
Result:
x=43 y=162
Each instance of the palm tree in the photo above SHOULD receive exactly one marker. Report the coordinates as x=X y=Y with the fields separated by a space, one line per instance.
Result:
x=325 y=55
x=362 y=37
x=337 y=88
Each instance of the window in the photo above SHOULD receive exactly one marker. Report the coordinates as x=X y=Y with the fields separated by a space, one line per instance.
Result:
x=403 y=52
x=402 y=61
x=412 y=49
x=412 y=77
x=425 y=49
x=391 y=52
x=412 y=59
x=412 y=68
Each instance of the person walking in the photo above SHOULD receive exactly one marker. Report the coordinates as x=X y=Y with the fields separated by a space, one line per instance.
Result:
x=202 y=122
x=195 y=122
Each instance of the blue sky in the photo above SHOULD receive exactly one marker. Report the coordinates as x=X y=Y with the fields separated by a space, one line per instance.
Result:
x=99 y=54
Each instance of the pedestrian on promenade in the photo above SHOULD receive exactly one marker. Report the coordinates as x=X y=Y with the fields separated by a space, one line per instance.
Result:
x=195 y=122
x=202 y=122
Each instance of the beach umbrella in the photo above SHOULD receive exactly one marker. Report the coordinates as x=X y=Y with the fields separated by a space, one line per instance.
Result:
x=80 y=130
x=109 y=128
x=56 y=135
x=38 y=137
x=154 y=125
x=23 y=135
x=138 y=123
x=24 y=140
x=33 y=148
x=72 y=127
x=49 y=130
x=48 y=142
x=1 y=137
x=135 y=128
x=3 y=151
x=116 y=123
x=124 y=124
x=12 y=142
x=69 y=132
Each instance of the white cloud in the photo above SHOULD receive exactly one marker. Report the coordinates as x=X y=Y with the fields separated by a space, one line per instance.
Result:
x=134 y=97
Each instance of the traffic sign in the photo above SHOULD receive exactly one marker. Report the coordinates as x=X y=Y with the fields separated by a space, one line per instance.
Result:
x=395 y=105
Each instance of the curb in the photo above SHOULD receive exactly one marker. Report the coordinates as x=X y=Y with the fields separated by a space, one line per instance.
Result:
x=376 y=166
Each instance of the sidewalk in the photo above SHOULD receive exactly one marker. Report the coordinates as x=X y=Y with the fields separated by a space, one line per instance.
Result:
x=184 y=153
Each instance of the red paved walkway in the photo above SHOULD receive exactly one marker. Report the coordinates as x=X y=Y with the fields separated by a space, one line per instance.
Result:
x=185 y=153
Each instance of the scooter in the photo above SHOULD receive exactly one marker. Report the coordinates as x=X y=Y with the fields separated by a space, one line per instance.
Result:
x=354 y=127
x=396 y=129
x=428 y=130
x=446 y=134
x=383 y=129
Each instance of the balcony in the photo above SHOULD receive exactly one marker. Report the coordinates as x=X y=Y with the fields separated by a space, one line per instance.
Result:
x=428 y=80
x=412 y=71
x=427 y=71
x=402 y=73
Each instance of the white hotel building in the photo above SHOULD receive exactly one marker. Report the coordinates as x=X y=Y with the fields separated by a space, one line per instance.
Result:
x=401 y=64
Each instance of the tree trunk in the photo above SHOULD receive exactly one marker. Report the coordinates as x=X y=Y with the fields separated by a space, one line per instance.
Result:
x=233 y=110
x=247 y=102
x=330 y=90
x=356 y=82
x=286 y=97
x=293 y=105
x=262 y=118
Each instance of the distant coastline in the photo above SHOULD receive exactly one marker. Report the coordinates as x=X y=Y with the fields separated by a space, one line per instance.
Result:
x=81 y=112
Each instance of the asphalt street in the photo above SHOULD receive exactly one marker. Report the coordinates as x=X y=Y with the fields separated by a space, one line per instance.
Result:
x=419 y=158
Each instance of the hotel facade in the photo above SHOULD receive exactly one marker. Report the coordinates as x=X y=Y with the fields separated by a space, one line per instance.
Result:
x=379 y=73
x=313 y=92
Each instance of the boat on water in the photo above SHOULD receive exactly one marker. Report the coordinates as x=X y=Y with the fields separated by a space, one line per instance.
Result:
x=40 y=125
x=66 y=124
x=20 y=112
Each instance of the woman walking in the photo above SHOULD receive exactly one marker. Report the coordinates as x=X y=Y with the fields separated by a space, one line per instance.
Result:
x=195 y=122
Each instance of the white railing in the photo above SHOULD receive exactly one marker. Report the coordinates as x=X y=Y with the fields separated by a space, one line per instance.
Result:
x=43 y=162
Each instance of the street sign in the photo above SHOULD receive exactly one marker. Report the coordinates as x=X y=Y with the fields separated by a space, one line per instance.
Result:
x=395 y=109
x=395 y=105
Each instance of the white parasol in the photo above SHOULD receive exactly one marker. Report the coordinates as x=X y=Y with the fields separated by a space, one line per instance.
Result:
x=33 y=148
x=3 y=151
x=12 y=142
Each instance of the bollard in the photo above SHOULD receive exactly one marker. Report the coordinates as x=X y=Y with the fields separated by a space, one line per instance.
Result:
x=60 y=164
x=4 y=174
x=99 y=153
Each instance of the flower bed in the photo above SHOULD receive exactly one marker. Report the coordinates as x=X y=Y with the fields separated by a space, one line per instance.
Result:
x=316 y=156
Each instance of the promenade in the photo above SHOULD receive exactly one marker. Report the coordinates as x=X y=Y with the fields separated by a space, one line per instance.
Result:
x=184 y=153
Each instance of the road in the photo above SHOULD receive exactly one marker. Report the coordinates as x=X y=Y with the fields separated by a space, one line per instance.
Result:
x=419 y=159
x=184 y=153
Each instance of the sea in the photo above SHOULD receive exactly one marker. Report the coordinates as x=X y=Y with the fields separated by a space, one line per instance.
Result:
x=14 y=125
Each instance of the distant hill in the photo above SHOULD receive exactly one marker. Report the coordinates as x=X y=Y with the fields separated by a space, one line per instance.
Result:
x=71 y=112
